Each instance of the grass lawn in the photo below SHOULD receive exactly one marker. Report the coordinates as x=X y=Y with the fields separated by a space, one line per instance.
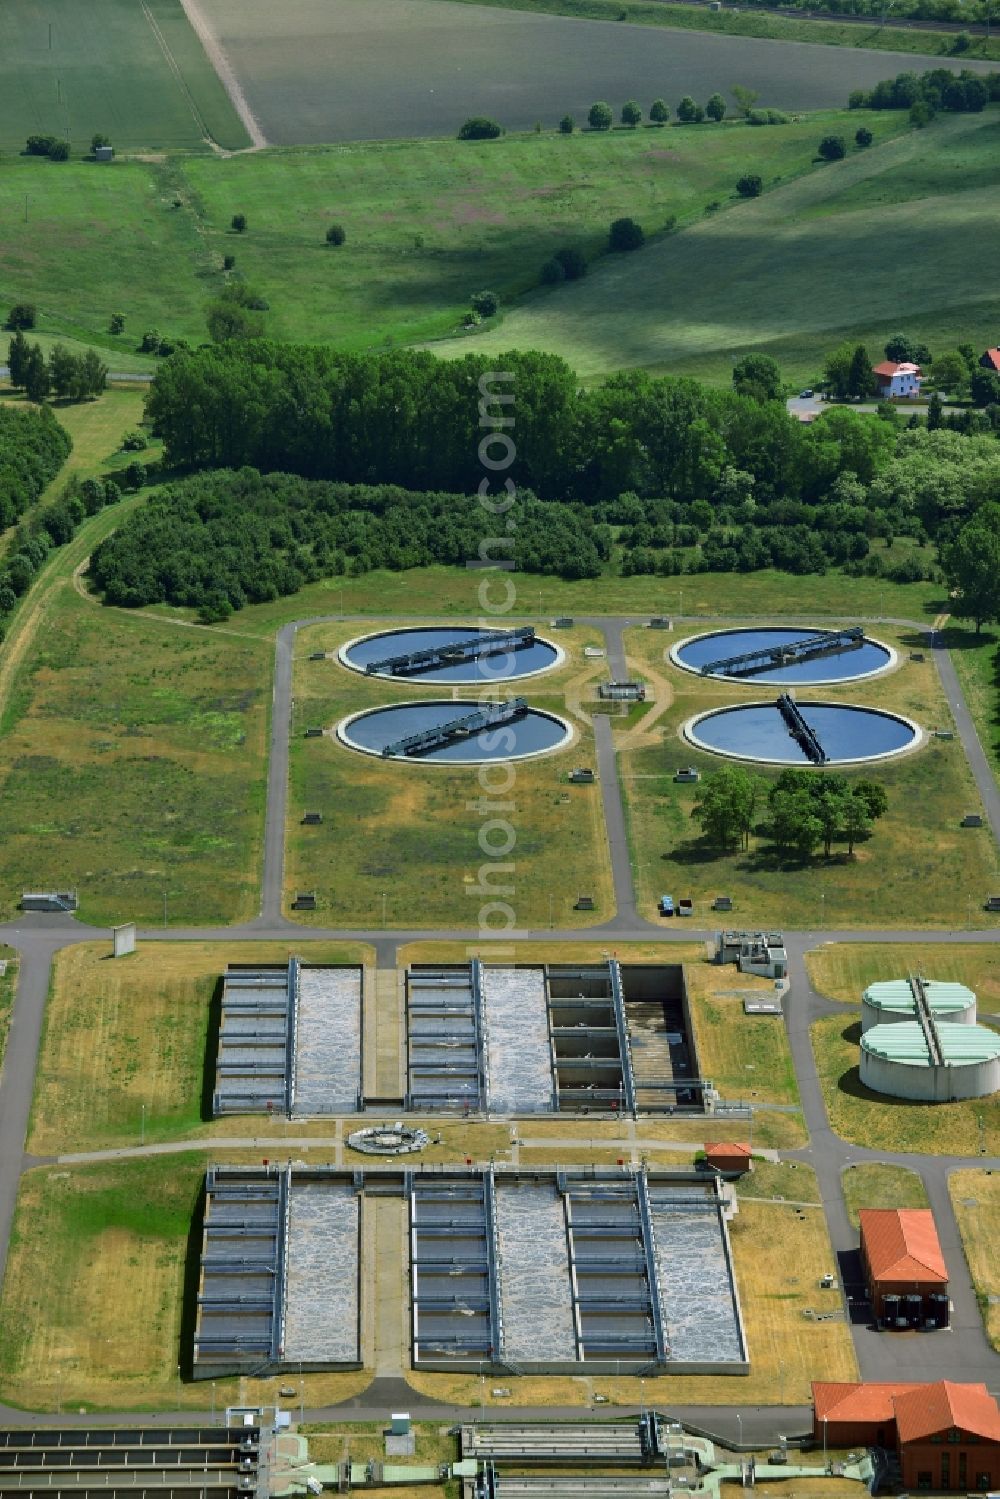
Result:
x=8 y=987
x=445 y=593
x=132 y=761
x=919 y=868
x=127 y=1044
x=99 y=1294
x=789 y=28
x=435 y=220
x=408 y=830
x=864 y=1118
x=975 y=1196
x=843 y=971
x=747 y=1057
x=682 y=304
x=874 y=1186
x=977 y=661
x=780 y=1253
x=135 y=72
x=779 y=1181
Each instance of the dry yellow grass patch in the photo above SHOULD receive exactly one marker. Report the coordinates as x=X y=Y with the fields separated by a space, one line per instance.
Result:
x=975 y=1196
x=843 y=971
x=746 y=1056
x=131 y=1035
x=558 y=950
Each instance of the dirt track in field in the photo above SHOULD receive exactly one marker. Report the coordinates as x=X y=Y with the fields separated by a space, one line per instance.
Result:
x=228 y=79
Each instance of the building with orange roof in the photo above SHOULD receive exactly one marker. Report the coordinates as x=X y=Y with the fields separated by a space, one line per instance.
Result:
x=991 y=361
x=897 y=378
x=904 y=1267
x=729 y=1156
x=946 y=1436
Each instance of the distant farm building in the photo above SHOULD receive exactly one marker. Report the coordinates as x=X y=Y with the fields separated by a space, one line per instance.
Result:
x=904 y=1267
x=991 y=361
x=945 y=1436
x=897 y=379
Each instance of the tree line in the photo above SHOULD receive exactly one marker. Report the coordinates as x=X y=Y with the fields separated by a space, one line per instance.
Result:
x=411 y=419
x=924 y=94
x=52 y=527
x=67 y=376
x=33 y=448
x=217 y=542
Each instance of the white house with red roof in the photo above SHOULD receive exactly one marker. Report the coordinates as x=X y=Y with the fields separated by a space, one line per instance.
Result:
x=897 y=379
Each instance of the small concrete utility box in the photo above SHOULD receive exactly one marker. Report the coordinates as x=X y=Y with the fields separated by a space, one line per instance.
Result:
x=104 y=153
x=399 y=1424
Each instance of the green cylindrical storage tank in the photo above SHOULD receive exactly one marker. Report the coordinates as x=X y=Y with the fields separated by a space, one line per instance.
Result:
x=896 y=1060
x=892 y=1001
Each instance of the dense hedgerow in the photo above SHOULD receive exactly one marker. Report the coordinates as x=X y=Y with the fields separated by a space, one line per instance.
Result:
x=223 y=540
x=33 y=448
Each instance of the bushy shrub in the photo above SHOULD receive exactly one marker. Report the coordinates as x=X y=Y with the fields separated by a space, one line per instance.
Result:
x=39 y=145
x=567 y=125
x=599 y=116
x=59 y=151
x=480 y=128
x=659 y=112
x=749 y=185
x=625 y=234
x=335 y=235
x=631 y=114
x=832 y=147
x=716 y=107
x=133 y=442
x=486 y=303
x=573 y=262
x=553 y=271
x=239 y=223
x=863 y=137
x=22 y=315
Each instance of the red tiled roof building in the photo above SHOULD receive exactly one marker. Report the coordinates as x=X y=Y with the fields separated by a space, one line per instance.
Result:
x=946 y=1436
x=729 y=1156
x=903 y=1264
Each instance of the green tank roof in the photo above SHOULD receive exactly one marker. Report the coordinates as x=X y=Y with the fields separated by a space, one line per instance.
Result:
x=896 y=995
x=961 y=1045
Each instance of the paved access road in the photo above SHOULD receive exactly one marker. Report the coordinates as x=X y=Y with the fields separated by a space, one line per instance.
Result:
x=963 y=1353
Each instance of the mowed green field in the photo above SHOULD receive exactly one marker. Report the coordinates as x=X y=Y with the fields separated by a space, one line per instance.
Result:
x=131 y=69
x=82 y=241
x=427 y=225
x=794 y=272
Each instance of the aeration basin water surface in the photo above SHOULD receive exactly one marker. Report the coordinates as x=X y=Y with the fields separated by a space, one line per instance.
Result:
x=757 y=731
x=534 y=733
x=524 y=660
x=719 y=648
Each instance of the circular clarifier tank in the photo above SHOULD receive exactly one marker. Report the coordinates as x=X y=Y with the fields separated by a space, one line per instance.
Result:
x=377 y=730
x=848 y=735
x=516 y=653
x=829 y=660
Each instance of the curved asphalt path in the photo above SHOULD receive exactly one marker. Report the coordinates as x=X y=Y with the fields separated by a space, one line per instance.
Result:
x=963 y=1353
